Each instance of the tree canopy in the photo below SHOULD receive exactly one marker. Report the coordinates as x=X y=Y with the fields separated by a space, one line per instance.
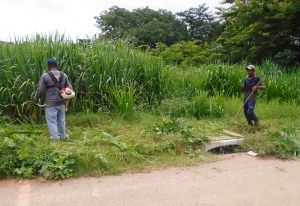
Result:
x=201 y=24
x=258 y=29
x=146 y=25
x=248 y=29
x=149 y=26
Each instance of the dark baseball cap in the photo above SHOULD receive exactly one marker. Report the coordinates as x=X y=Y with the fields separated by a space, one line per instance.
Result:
x=250 y=67
x=51 y=62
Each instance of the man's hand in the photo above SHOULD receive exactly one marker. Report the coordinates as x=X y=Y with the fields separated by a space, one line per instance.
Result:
x=33 y=98
x=255 y=88
x=242 y=86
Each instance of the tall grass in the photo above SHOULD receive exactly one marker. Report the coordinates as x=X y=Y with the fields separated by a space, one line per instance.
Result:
x=213 y=78
x=93 y=71
x=200 y=106
x=117 y=77
x=226 y=79
x=280 y=83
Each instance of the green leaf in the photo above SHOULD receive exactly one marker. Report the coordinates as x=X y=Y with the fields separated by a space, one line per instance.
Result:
x=9 y=142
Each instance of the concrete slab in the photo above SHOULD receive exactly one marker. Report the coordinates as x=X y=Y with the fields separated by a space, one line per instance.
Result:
x=226 y=138
x=221 y=143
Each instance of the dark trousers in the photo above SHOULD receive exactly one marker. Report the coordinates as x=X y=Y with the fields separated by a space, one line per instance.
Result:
x=249 y=112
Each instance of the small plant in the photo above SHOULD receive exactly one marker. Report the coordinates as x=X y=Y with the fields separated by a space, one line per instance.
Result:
x=124 y=100
x=201 y=107
x=59 y=166
x=123 y=152
x=288 y=141
x=175 y=107
x=283 y=144
x=190 y=141
x=21 y=156
x=168 y=127
x=219 y=105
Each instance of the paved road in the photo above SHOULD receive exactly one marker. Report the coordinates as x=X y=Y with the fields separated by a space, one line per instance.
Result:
x=236 y=180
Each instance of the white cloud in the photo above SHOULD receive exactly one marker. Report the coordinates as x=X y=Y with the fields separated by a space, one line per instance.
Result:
x=74 y=18
x=51 y=5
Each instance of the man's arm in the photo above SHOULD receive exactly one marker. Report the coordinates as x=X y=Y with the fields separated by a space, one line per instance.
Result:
x=42 y=87
x=67 y=83
x=260 y=86
x=243 y=86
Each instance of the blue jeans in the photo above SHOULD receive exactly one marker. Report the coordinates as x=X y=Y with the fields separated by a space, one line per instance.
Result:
x=249 y=112
x=56 y=116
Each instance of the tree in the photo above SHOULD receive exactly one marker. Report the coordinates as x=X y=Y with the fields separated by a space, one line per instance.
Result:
x=146 y=25
x=258 y=29
x=115 y=22
x=191 y=53
x=201 y=24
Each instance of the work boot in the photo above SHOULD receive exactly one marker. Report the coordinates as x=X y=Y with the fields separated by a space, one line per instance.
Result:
x=256 y=124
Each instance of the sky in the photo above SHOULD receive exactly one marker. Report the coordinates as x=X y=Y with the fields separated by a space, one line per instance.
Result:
x=74 y=18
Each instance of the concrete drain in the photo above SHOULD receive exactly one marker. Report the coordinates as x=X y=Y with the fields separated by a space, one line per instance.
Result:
x=225 y=149
x=228 y=142
x=222 y=143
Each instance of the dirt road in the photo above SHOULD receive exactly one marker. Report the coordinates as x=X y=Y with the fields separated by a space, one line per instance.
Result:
x=237 y=180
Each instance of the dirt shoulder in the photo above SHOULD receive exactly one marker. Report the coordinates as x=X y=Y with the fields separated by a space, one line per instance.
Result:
x=238 y=179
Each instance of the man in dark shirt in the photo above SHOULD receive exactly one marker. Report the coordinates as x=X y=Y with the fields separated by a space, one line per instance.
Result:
x=55 y=105
x=251 y=83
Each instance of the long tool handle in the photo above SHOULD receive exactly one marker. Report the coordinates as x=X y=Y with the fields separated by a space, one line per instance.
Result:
x=244 y=104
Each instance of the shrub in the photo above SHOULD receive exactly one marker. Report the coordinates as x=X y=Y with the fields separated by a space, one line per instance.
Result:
x=21 y=157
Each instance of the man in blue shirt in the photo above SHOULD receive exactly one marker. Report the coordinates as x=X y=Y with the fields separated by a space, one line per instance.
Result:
x=251 y=84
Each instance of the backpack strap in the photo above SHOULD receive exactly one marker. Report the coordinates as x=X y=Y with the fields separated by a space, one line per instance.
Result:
x=56 y=83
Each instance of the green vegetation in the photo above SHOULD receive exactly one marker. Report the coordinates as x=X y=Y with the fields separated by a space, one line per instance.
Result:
x=132 y=111
x=252 y=30
x=155 y=98
x=188 y=53
x=99 y=144
x=259 y=29
x=107 y=75
x=145 y=25
x=104 y=143
x=113 y=76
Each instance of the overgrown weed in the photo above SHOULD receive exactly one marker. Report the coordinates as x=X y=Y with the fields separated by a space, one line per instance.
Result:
x=109 y=145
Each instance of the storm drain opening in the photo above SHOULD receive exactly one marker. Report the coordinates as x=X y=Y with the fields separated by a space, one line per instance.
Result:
x=225 y=146
x=228 y=149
